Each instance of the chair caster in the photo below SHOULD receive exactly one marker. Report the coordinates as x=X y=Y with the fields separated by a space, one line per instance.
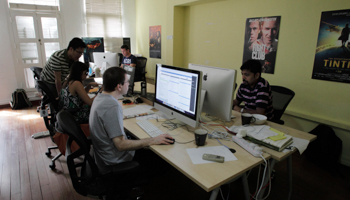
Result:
x=52 y=166
x=48 y=153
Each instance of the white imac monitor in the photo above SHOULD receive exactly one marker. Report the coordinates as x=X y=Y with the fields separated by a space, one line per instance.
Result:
x=219 y=84
x=105 y=60
x=178 y=92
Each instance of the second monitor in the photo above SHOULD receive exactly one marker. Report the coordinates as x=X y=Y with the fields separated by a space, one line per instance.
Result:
x=219 y=84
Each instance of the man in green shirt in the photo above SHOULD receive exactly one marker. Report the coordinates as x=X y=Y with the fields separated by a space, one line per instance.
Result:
x=58 y=66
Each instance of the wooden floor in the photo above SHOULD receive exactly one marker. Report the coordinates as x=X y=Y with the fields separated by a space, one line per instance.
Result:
x=25 y=172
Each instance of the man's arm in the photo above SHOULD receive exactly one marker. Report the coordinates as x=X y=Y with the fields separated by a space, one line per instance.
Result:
x=236 y=105
x=123 y=144
x=58 y=81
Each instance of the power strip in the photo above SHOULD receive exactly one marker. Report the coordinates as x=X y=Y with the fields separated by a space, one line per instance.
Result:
x=252 y=148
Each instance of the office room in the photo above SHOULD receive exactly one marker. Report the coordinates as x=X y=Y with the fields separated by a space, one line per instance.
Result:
x=206 y=32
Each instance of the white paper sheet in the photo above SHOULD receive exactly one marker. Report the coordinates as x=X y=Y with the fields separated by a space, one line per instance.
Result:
x=300 y=144
x=197 y=153
x=258 y=132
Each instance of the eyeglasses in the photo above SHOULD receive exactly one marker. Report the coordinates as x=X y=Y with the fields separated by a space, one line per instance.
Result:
x=86 y=73
x=80 y=53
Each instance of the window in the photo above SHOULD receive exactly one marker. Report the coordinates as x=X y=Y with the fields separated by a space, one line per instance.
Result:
x=36 y=2
x=104 y=19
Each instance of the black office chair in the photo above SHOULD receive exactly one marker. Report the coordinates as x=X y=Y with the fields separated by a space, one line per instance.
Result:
x=36 y=75
x=83 y=170
x=281 y=98
x=49 y=100
x=140 y=72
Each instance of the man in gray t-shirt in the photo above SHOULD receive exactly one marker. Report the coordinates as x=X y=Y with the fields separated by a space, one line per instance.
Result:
x=110 y=143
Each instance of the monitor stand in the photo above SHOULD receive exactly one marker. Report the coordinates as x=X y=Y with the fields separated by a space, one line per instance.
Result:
x=203 y=118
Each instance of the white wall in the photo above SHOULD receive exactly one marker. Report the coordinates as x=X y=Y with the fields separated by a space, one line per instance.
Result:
x=129 y=22
x=8 y=80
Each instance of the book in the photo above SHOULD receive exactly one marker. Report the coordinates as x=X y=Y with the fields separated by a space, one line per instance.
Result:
x=278 y=145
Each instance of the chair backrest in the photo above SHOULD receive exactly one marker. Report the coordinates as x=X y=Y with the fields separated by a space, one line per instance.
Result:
x=36 y=72
x=83 y=172
x=140 y=71
x=281 y=98
x=50 y=100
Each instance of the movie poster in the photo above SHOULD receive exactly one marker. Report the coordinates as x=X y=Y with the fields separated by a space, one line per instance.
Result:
x=332 y=58
x=93 y=44
x=261 y=40
x=155 y=42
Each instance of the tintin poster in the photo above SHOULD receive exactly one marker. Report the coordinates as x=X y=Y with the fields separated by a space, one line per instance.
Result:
x=261 y=41
x=155 y=42
x=93 y=44
x=332 y=58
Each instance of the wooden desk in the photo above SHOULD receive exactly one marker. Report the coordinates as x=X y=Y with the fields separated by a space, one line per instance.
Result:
x=278 y=156
x=208 y=176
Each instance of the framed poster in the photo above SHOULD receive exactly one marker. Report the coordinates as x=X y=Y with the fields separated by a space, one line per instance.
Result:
x=93 y=44
x=332 y=57
x=261 y=41
x=155 y=42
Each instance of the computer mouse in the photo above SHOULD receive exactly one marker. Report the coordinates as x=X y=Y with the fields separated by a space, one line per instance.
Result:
x=172 y=140
x=126 y=101
x=139 y=100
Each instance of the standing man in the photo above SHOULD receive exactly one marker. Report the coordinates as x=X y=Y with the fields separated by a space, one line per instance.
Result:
x=110 y=143
x=128 y=58
x=58 y=66
x=254 y=91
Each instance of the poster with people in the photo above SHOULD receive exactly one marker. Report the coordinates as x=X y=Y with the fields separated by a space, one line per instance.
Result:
x=155 y=42
x=261 y=41
x=93 y=44
x=332 y=57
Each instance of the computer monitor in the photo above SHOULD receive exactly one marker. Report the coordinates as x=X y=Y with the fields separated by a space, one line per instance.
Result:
x=219 y=84
x=177 y=93
x=105 y=60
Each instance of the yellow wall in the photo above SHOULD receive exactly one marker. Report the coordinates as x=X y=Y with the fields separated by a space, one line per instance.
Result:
x=212 y=33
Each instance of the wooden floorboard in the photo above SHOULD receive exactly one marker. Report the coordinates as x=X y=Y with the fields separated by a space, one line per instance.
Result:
x=25 y=172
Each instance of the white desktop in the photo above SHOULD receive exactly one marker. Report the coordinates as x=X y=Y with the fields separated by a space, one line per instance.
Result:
x=177 y=93
x=104 y=61
x=219 y=84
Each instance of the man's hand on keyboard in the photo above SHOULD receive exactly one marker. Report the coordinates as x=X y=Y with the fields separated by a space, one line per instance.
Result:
x=162 y=139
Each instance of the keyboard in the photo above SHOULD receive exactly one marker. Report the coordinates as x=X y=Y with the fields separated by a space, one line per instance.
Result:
x=149 y=128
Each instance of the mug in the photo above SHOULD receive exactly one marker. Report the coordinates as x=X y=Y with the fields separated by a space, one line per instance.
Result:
x=200 y=136
x=247 y=118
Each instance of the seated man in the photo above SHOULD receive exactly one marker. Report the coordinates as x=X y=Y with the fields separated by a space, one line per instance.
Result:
x=110 y=143
x=128 y=58
x=254 y=91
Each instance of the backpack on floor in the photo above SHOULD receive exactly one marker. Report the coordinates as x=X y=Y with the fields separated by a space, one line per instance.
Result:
x=325 y=150
x=20 y=100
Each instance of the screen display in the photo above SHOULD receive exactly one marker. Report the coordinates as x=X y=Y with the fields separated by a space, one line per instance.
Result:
x=177 y=89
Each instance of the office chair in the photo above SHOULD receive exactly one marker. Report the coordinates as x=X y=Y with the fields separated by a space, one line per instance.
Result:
x=36 y=74
x=49 y=100
x=84 y=173
x=281 y=98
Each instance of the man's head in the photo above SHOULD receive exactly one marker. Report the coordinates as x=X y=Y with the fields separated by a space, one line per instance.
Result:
x=125 y=50
x=115 y=78
x=253 y=30
x=251 y=72
x=75 y=48
x=269 y=28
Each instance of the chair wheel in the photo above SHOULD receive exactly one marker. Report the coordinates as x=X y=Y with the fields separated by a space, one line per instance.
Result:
x=48 y=153
x=52 y=166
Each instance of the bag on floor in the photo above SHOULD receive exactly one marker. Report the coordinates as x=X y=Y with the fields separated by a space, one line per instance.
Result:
x=326 y=149
x=20 y=100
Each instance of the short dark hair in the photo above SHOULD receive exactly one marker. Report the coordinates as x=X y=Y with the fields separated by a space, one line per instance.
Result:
x=124 y=46
x=253 y=66
x=112 y=77
x=76 y=71
x=76 y=43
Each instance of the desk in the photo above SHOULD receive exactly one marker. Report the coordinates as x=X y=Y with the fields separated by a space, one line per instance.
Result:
x=279 y=156
x=208 y=176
